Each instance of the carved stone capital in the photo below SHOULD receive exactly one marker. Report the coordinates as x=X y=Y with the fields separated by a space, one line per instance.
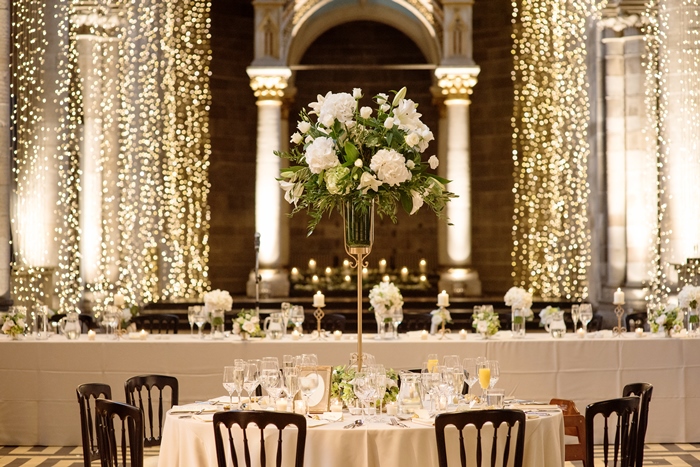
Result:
x=269 y=83
x=94 y=16
x=622 y=22
x=456 y=82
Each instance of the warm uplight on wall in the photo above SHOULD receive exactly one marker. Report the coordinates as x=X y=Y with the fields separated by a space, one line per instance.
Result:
x=551 y=250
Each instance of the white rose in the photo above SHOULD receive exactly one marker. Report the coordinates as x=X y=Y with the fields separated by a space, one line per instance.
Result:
x=434 y=162
x=384 y=107
x=320 y=155
x=357 y=93
x=410 y=164
x=255 y=320
x=358 y=162
x=382 y=98
x=249 y=327
x=412 y=139
x=483 y=326
x=304 y=126
x=365 y=112
x=296 y=138
x=390 y=167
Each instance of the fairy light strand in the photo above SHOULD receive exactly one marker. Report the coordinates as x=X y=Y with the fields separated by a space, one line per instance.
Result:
x=551 y=252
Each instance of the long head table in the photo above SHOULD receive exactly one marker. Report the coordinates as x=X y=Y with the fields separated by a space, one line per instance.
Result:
x=38 y=405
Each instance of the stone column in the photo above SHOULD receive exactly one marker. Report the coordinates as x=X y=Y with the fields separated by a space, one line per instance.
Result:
x=456 y=84
x=268 y=85
x=5 y=154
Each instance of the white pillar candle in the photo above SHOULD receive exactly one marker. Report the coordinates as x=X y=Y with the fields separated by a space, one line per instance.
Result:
x=365 y=273
x=423 y=266
x=404 y=273
x=443 y=299
x=382 y=266
x=319 y=299
x=619 y=297
x=639 y=332
x=329 y=272
x=295 y=274
x=312 y=265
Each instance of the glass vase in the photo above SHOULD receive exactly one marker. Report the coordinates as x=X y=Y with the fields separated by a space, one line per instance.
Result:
x=217 y=324
x=518 y=322
x=693 y=321
x=359 y=225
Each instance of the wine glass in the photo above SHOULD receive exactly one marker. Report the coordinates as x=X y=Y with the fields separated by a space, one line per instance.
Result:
x=380 y=382
x=233 y=382
x=495 y=372
x=191 y=311
x=396 y=320
x=287 y=361
x=251 y=378
x=296 y=315
x=308 y=377
x=585 y=314
x=575 y=315
x=430 y=380
x=364 y=389
x=200 y=318
x=471 y=375
x=432 y=362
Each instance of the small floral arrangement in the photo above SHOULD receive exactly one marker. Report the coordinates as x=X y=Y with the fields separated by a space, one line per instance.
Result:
x=666 y=318
x=247 y=324
x=341 y=385
x=486 y=321
x=355 y=154
x=439 y=316
x=14 y=323
x=519 y=298
x=689 y=296
x=547 y=314
x=218 y=300
x=385 y=298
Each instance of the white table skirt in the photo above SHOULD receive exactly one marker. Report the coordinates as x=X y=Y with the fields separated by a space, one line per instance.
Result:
x=38 y=405
x=188 y=442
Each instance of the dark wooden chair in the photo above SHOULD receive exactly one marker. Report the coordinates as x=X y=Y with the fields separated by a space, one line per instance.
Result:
x=224 y=421
x=643 y=391
x=333 y=322
x=574 y=425
x=637 y=320
x=113 y=452
x=157 y=323
x=151 y=386
x=596 y=324
x=624 y=444
x=415 y=322
x=87 y=395
x=479 y=418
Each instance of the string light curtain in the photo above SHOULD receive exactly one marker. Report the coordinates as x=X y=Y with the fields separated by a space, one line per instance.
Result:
x=32 y=204
x=551 y=252
x=164 y=185
x=673 y=79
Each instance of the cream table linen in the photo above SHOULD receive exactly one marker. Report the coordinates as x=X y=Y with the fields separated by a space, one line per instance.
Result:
x=189 y=442
x=38 y=405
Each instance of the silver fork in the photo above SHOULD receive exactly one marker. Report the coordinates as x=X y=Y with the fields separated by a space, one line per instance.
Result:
x=398 y=423
x=190 y=415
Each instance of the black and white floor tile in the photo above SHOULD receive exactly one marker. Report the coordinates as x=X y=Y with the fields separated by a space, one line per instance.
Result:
x=676 y=455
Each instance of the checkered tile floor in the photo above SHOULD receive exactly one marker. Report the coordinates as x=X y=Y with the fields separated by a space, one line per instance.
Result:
x=685 y=455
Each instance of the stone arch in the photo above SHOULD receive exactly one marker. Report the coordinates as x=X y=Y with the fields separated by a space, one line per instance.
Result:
x=397 y=14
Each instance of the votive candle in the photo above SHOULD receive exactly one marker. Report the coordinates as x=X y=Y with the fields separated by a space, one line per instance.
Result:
x=91 y=335
x=336 y=405
x=281 y=404
x=423 y=266
x=424 y=335
x=463 y=334
x=312 y=265
x=404 y=273
x=143 y=335
x=382 y=266
x=295 y=274
x=337 y=335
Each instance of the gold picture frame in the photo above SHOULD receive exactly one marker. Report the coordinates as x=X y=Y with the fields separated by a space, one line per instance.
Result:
x=320 y=400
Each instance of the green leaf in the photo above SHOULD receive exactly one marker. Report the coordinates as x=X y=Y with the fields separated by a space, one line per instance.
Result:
x=351 y=152
x=406 y=202
x=444 y=181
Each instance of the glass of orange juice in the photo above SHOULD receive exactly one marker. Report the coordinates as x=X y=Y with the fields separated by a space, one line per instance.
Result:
x=484 y=372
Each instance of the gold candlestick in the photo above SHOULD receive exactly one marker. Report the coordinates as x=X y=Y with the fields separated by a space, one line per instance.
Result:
x=319 y=314
x=443 y=315
x=619 y=329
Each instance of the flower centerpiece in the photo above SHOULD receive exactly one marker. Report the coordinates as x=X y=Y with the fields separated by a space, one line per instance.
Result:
x=247 y=324
x=485 y=321
x=520 y=302
x=547 y=315
x=347 y=155
x=689 y=298
x=341 y=385
x=386 y=301
x=216 y=303
x=665 y=318
x=14 y=324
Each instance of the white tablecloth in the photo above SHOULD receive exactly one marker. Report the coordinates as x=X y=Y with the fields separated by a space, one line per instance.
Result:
x=38 y=405
x=188 y=442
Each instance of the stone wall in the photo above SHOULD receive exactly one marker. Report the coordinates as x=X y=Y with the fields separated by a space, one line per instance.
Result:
x=233 y=128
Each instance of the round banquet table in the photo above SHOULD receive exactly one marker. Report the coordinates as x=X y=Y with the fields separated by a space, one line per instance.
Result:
x=189 y=442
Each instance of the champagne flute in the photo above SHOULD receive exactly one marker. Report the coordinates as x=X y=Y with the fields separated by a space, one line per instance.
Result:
x=191 y=311
x=200 y=318
x=495 y=372
x=484 y=372
x=233 y=382
x=291 y=385
x=575 y=315
x=471 y=374
x=287 y=361
x=364 y=389
x=380 y=381
x=308 y=377
x=432 y=362
x=396 y=320
x=270 y=378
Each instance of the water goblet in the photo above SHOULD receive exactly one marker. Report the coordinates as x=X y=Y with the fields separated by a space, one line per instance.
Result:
x=296 y=315
x=291 y=384
x=585 y=314
x=495 y=372
x=200 y=318
x=396 y=320
x=364 y=389
x=251 y=378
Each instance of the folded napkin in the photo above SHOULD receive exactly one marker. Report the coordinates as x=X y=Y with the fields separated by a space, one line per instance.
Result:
x=331 y=416
x=424 y=421
x=311 y=422
x=192 y=408
x=535 y=407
